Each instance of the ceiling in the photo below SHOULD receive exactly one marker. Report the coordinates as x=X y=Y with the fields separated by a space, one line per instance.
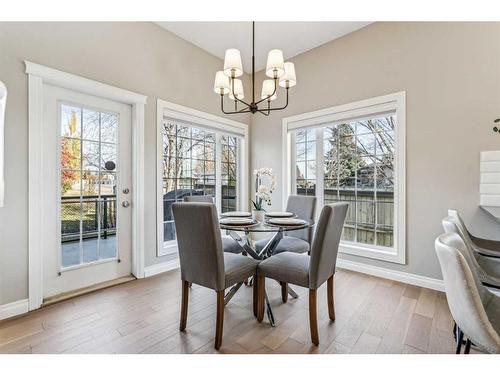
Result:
x=292 y=38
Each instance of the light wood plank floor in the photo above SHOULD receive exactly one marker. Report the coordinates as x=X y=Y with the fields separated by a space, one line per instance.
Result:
x=373 y=316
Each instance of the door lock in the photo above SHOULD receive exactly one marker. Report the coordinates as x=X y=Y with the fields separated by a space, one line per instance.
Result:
x=126 y=191
x=125 y=204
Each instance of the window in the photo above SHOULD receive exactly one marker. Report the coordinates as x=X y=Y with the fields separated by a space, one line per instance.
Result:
x=197 y=155
x=89 y=169
x=355 y=154
x=359 y=169
x=188 y=167
x=305 y=156
x=229 y=172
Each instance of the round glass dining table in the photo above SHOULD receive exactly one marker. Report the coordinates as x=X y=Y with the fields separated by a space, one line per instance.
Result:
x=249 y=248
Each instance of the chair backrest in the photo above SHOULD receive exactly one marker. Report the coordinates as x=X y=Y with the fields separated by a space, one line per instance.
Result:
x=200 y=244
x=199 y=198
x=450 y=226
x=305 y=208
x=454 y=216
x=326 y=243
x=465 y=294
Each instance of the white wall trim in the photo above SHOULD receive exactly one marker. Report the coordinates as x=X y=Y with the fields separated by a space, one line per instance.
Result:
x=9 y=310
x=161 y=267
x=38 y=75
x=395 y=103
x=220 y=125
x=35 y=194
x=404 y=277
x=385 y=273
x=195 y=116
x=84 y=85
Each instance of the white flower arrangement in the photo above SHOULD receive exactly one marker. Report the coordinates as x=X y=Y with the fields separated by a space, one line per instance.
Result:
x=262 y=191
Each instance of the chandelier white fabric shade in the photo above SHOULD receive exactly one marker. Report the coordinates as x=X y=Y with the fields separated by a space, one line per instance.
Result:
x=238 y=90
x=288 y=79
x=275 y=64
x=268 y=89
x=232 y=63
x=221 y=85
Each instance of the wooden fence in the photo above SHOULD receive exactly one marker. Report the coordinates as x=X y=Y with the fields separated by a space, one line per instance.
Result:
x=375 y=215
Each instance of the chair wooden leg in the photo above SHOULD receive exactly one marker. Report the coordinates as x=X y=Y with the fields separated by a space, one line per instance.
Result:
x=255 y=295
x=313 y=319
x=184 y=305
x=219 y=324
x=331 y=303
x=261 y=287
x=284 y=291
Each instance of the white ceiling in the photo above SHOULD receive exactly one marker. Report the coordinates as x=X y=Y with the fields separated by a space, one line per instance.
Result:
x=292 y=38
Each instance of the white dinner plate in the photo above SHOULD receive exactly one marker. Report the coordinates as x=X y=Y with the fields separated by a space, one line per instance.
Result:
x=279 y=214
x=236 y=214
x=236 y=221
x=286 y=221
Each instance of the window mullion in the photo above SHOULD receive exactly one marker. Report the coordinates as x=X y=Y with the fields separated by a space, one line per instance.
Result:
x=238 y=174
x=320 y=171
x=293 y=163
x=375 y=196
x=356 y=220
x=218 y=171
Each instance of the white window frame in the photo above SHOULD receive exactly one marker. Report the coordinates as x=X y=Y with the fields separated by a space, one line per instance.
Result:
x=394 y=103
x=220 y=126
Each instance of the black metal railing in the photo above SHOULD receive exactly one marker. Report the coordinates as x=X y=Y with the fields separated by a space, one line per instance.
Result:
x=97 y=214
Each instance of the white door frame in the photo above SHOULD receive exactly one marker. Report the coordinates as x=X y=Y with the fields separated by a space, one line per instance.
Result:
x=38 y=75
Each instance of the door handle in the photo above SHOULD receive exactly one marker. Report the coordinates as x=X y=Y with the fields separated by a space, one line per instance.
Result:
x=125 y=204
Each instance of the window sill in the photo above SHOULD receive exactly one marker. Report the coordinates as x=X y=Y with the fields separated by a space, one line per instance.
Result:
x=168 y=248
x=373 y=252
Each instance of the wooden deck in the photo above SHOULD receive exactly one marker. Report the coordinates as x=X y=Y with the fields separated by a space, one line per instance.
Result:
x=373 y=316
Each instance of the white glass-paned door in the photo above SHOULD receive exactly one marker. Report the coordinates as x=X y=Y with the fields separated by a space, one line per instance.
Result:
x=87 y=190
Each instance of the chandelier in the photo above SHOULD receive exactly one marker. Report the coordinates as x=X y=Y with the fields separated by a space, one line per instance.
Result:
x=227 y=83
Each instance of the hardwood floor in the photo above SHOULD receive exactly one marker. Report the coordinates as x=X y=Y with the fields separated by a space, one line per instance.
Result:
x=372 y=316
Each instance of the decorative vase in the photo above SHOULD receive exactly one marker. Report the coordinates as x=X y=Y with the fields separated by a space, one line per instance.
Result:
x=258 y=215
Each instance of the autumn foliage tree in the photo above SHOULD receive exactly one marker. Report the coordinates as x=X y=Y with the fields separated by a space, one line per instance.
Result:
x=70 y=156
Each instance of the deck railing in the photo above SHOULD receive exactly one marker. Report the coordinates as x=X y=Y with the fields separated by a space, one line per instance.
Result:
x=90 y=215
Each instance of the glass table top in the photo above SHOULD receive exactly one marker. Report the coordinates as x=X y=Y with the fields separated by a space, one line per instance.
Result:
x=266 y=227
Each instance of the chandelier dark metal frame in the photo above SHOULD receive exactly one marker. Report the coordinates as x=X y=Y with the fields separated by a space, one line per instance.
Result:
x=253 y=107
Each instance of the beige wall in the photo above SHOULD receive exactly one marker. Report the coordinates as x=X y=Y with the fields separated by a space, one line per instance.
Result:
x=140 y=57
x=451 y=75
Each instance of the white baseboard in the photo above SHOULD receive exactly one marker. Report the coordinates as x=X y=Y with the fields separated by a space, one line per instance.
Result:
x=161 y=267
x=14 y=308
x=404 y=277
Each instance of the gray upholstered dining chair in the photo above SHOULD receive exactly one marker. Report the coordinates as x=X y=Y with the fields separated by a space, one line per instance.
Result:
x=474 y=308
x=479 y=245
x=202 y=259
x=296 y=241
x=487 y=268
x=228 y=243
x=309 y=272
